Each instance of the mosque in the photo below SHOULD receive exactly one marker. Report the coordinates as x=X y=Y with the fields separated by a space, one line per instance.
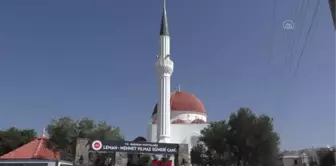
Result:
x=179 y=116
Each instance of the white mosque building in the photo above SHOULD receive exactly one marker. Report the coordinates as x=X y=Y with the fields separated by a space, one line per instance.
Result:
x=187 y=119
x=178 y=117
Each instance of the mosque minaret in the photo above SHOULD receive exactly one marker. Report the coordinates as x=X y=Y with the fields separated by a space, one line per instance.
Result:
x=178 y=116
x=164 y=68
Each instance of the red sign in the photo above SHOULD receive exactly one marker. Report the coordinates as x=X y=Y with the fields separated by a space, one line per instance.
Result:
x=162 y=163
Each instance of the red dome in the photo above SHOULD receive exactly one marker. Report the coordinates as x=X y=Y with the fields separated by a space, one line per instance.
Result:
x=198 y=121
x=184 y=101
x=178 y=121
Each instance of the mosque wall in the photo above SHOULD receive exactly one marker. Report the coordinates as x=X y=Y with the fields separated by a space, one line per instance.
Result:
x=180 y=133
x=187 y=116
x=184 y=115
x=150 y=131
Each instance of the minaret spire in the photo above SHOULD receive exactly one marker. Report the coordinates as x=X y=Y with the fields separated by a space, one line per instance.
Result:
x=164 y=22
x=164 y=69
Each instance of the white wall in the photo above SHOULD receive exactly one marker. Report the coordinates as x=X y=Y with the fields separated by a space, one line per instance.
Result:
x=290 y=160
x=62 y=163
x=184 y=115
x=305 y=160
x=180 y=133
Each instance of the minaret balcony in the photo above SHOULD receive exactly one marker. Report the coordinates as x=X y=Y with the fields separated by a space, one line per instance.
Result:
x=164 y=66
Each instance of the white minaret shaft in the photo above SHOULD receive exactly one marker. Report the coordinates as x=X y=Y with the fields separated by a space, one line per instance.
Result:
x=164 y=68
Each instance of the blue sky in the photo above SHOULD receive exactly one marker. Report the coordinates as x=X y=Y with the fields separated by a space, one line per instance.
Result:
x=96 y=59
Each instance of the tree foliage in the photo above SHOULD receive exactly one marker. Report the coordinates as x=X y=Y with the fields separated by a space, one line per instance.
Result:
x=197 y=155
x=144 y=160
x=326 y=157
x=245 y=139
x=64 y=132
x=14 y=138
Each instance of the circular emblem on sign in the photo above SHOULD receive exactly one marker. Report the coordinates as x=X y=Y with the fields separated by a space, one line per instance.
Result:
x=288 y=25
x=96 y=145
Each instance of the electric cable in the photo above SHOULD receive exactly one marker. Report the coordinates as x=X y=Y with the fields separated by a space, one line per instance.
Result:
x=299 y=6
x=306 y=39
x=270 y=50
x=301 y=14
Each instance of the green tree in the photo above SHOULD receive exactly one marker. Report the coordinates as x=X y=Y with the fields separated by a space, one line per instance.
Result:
x=145 y=160
x=14 y=138
x=198 y=155
x=64 y=132
x=326 y=157
x=214 y=147
x=216 y=138
x=245 y=139
x=253 y=138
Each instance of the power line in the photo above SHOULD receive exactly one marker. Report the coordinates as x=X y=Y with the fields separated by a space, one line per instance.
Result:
x=272 y=33
x=297 y=9
x=307 y=37
x=303 y=7
x=292 y=37
x=295 y=20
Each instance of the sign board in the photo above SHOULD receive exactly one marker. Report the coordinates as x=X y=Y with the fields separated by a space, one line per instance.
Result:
x=134 y=147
